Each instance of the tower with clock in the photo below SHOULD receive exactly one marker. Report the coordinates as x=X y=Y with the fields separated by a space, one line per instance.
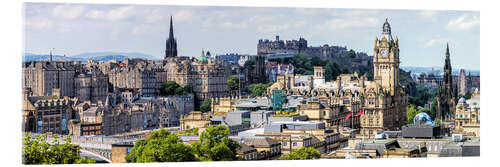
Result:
x=386 y=60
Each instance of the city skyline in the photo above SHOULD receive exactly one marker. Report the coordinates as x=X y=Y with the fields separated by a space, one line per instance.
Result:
x=144 y=29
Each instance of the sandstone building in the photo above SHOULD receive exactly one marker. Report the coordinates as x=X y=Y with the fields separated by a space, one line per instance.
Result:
x=383 y=100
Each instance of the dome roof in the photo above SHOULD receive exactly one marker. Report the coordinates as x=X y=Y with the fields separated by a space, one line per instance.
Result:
x=461 y=100
x=422 y=118
x=386 y=30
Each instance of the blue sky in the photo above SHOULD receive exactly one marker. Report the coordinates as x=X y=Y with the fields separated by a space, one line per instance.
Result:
x=77 y=28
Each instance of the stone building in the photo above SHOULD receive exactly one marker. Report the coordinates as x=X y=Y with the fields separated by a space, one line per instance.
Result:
x=265 y=46
x=267 y=148
x=195 y=119
x=134 y=77
x=140 y=115
x=339 y=54
x=173 y=107
x=467 y=116
x=463 y=84
x=207 y=76
x=274 y=69
x=91 y=86
x=42 y=114
x=44 y=76
x=89 y=120
x=295 y=135
x=383 y=100
x=447 y=93
x=224 y=104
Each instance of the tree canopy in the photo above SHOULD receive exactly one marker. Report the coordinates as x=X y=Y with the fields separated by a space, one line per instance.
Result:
x=423 y=95
x=352 y=53
x=233 y=84
x=215 y=145
x=172 y=88
x=259 y=89
x=411 y=112
x=39 y=151
x=206 y=106
x=161 y=146
x=302 y=154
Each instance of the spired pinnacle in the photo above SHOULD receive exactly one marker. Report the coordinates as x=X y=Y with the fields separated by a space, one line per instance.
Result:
x=171 y=33
x=386 y=30
x=171 y=43
x=447 y=49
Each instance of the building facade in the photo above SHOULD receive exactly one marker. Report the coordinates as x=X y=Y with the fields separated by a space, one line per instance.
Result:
x=383 y=100
x=44 y=76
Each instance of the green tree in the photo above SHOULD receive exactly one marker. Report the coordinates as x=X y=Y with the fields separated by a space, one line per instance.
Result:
x=331 y=70
x=352 y=53
x=433 y=109
x=206 y=106
x=170 y=88
x=411 y=112
x=215 y=145
x=258 y=89
x=302 y=154
x=250 y=62
x=233 y=83
x=346 y=70
x=317 y=61
x=39 y=151
x=188 y=89
x=161 y=146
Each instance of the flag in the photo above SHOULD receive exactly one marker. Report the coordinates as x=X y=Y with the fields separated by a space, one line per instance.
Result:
x=348 y=115
x=360 y=113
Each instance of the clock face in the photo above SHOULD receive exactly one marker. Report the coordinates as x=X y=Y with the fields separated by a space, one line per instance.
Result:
x=383 y=52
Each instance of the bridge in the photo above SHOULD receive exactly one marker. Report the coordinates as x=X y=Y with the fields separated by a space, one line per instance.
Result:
x=99 y=147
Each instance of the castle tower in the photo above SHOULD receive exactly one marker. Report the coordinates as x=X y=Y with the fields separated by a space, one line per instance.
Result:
x=386 y=60
x=171 y=43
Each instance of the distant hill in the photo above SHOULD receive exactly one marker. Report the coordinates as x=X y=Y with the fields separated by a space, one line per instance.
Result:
x=437 y=70
x=97 y=56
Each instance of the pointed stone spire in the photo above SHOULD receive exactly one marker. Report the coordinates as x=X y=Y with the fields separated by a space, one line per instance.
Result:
x=171 y=43
x=171 y=33
x=447 y=50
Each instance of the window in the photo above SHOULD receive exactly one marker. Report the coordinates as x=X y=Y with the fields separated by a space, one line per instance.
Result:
x=294 y=144
x=284 y=143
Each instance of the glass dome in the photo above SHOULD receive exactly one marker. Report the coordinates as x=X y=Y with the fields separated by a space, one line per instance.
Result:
x=422 y=119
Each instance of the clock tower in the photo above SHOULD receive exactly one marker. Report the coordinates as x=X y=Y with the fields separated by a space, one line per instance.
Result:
x=386 y=60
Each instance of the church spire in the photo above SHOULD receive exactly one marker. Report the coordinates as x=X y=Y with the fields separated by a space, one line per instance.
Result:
x=171 y=33
x=171 y=43
x=447 y=50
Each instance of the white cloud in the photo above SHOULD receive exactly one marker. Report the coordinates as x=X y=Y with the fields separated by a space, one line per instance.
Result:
x=154 y=16
x=113 y=14
x=231 y=25
x=428 y=13
x=346 y=23
x=184 y=16
x=464 y=22
x=39 y=23
x=273 y=28
x=438 y=42
x=68 y=11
